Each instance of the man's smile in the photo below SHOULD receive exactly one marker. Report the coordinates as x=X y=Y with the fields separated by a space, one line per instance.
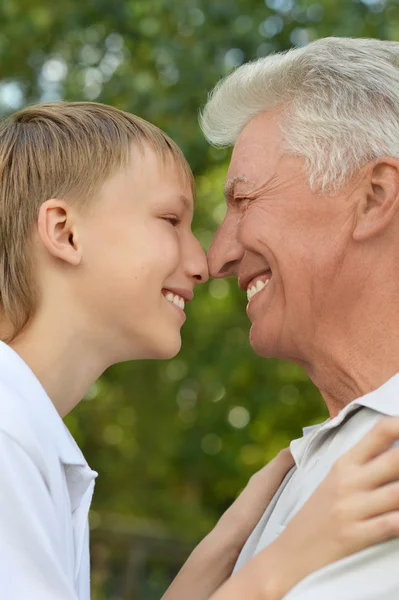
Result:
x=257 y=284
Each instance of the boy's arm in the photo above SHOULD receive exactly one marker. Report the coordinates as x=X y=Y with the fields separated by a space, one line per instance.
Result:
x=30 y=566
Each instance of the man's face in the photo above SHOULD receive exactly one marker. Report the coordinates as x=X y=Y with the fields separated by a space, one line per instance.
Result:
x=278 y=232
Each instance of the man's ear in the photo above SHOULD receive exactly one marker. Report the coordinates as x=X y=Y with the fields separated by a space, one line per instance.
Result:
x=57 y=231
x=380 y=201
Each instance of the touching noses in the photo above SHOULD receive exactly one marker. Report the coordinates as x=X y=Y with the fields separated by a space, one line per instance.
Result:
x=196 y=266
x=226 y=252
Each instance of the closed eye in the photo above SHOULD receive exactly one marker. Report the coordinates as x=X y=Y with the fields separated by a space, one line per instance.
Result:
x=238 y=200
x=172 y=220
x=241 y=203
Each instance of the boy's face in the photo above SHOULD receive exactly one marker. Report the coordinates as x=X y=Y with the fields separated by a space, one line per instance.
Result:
x=138 y=254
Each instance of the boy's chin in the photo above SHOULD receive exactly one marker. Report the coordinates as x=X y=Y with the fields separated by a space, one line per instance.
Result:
x=166 y=348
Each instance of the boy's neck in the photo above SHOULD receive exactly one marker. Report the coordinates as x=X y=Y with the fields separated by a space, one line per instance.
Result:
x=65 y=366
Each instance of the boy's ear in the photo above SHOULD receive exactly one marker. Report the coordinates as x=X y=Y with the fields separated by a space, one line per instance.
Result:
x=58 y=231
x=380 y=200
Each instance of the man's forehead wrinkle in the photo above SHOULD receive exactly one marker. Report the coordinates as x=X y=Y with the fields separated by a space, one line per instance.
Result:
x=268 y=186
x=280 y=181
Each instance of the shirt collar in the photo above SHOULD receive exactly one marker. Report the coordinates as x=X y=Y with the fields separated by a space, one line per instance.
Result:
x=384 y=400
x=18 y=377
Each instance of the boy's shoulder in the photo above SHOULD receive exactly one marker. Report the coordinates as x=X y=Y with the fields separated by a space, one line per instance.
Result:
x=16 y=424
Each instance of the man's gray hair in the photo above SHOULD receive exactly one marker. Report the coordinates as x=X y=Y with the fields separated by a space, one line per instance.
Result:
x=339 y=99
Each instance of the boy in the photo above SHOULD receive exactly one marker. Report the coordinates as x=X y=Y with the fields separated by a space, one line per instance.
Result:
x=96 y=261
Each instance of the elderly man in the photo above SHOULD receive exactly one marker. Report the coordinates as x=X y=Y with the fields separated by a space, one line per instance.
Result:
x=312 y=234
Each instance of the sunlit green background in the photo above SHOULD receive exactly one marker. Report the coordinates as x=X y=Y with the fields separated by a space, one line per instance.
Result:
x=174 y=441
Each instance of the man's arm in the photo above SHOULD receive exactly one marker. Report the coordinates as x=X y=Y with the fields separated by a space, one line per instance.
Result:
x=30 y=566
x=372 y=574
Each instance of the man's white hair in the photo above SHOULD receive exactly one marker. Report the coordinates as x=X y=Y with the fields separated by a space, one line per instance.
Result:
x=339 y=99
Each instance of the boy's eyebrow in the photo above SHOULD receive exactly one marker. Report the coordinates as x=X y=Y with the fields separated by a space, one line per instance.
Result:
x=229 y=186
x=187 y=203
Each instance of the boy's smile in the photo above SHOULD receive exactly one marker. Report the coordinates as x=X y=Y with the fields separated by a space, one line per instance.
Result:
x=178 y=297
x=138 y=239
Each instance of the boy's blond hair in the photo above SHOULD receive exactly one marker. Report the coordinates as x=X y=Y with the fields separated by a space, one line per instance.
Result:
x=58 y=150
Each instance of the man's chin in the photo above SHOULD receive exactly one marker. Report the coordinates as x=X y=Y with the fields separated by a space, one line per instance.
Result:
x=261 y=343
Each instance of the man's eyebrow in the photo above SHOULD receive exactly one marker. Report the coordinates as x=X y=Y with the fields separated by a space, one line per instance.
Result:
x=229 y=187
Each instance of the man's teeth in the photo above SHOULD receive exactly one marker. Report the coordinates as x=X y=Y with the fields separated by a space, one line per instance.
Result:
x=254 y=289
x=175 y=299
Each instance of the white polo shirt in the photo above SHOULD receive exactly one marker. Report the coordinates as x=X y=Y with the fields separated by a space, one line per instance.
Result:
x=46 y=488
x=372 y=574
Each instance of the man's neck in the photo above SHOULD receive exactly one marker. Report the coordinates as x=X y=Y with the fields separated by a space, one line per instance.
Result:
x=356 y=361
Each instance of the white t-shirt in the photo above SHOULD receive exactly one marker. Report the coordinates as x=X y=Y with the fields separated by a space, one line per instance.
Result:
x=46 y=487
x=368 y=575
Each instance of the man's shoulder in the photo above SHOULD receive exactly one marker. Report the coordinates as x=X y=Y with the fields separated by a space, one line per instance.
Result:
x=353 y=429
x=326 y=446
x=369 y=574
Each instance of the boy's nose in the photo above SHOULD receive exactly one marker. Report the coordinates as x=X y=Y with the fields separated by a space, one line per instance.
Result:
x=198 y=266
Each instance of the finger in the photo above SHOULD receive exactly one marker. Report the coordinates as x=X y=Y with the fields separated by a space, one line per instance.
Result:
x=379 y=439
x=383 y=500
x=381 y=470
x=373 y=531
x=370 y=504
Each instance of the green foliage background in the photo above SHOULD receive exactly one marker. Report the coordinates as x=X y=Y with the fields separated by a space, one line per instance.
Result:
x=175 y=441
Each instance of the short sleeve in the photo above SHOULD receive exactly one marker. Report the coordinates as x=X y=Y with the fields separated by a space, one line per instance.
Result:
x=30 y=564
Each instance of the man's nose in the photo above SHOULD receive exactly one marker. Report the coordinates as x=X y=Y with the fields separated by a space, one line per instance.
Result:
x=226 y=252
